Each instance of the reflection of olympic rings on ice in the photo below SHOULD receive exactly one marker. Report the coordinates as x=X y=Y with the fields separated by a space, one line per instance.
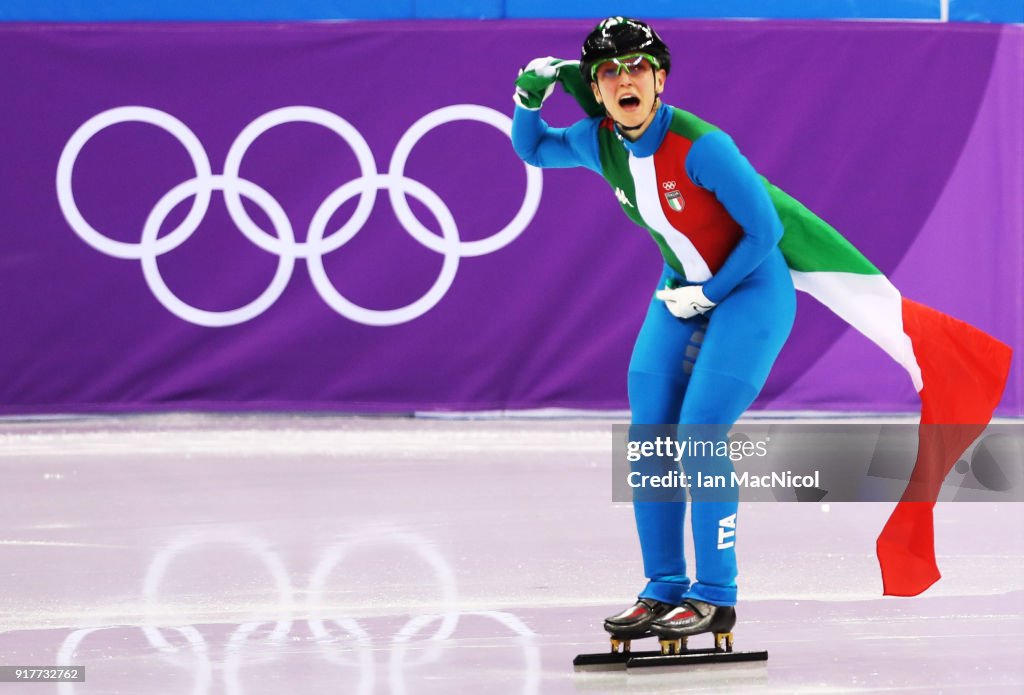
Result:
x=422 y=547
x=358 y=638
x=396 y=670
x=364 y=644
x=283 y=243
x=254 y=546
x=203 y=674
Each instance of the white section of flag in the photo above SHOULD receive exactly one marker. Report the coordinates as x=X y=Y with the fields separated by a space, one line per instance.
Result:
x=869 y=303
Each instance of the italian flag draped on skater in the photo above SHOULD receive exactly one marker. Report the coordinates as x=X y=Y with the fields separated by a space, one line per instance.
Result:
x=958 y=371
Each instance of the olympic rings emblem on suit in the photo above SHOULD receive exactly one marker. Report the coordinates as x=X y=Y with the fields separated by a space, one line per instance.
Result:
x=283 y=243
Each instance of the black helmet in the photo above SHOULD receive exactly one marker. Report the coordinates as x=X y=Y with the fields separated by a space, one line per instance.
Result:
x=619 y=36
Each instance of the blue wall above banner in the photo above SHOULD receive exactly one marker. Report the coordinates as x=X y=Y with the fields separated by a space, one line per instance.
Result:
x=1011 y=11
x=760 y=9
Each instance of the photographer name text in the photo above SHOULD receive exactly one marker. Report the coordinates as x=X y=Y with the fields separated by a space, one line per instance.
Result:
x=779 y=479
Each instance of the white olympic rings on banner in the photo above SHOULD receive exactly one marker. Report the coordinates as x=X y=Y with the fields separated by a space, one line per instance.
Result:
x=282 y=242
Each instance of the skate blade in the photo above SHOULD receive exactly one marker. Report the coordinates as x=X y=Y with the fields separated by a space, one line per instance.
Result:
x=692 y=657
x=607 y=661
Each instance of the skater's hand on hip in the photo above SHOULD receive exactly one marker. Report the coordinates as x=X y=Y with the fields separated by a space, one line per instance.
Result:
x=537 y=80
x=685 y=302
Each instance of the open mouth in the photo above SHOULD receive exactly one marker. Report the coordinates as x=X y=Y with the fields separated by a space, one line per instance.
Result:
x=629 y=102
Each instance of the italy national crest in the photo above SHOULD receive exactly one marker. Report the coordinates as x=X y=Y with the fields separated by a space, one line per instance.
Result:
x=675 y=200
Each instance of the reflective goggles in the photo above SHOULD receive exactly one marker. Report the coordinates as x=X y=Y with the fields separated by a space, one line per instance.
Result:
x=633 y=64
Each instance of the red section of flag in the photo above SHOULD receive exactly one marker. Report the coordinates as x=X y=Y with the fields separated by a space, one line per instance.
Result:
x=964 y=371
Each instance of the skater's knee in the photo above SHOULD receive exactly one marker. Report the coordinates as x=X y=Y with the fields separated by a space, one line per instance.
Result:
x=655 y=398
x=717 y=398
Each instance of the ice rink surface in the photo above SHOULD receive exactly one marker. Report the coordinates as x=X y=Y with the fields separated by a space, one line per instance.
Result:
x=259 y=554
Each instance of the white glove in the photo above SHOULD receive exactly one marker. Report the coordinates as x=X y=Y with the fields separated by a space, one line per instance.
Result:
x=685 y=302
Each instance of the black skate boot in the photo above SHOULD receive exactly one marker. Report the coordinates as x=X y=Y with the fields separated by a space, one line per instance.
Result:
x=694 y=618
x=634 y=622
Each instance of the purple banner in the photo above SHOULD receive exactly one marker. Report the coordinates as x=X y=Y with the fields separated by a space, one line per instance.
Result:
x=330 y=216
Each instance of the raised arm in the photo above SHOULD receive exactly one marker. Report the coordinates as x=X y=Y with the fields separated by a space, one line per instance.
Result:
x=535 y=141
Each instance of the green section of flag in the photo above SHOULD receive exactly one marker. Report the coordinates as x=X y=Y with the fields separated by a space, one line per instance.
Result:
x=689 y=126
x=579 y=89
x=810 y=244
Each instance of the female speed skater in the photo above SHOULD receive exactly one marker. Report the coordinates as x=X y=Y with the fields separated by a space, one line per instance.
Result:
x=721 y=312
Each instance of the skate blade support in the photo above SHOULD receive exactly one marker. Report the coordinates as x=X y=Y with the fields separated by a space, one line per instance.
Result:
x=672 y=653
x=609 y=661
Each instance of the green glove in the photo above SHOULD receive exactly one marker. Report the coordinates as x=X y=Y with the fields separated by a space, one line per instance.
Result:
x=537 y=80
